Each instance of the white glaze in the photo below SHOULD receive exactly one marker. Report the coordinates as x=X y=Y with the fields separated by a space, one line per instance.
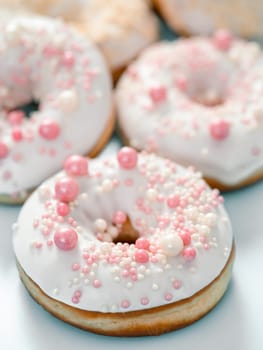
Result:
x=179 y=127
x=51 y=268
x=81 y=111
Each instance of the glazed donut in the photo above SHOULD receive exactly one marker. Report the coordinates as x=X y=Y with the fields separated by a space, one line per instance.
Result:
x=46 y=61
x=198 y=102
x=153 y=255
x=242 y=17
x=121 y=29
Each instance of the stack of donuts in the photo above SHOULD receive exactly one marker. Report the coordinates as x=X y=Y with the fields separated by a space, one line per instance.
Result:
x=137 y=242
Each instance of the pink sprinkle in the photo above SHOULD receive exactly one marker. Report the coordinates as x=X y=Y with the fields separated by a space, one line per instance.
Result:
x=141 y=256
x=129 y=182
x=16 y=117
x=63 y=209
x=75 y=300
x=49 y=129
x=49 y=243
x=119 y=217
x=3 y=150
x=17 y=134
x=75 y=267
x=219 y=129
x=173 y=201
x=181 y=83
x=96 y=283
x=76 y=165
x=127 y=158
x=66 y=189
x=85 y=269
x=68 y=59
x=142 y=243
x=78 y=293
x=7 y=175
x=177 y=284
x=168 y=296
x=144 y=301
x=158 y=93
x=65 y=238
x=186 y=237
x=125 y=304
x=35 y=223
x=223 y=39
x=255 y=151
x=189 y=253
x=38 y=245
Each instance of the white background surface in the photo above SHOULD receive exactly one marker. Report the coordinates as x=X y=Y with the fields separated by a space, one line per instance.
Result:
x=235 y=324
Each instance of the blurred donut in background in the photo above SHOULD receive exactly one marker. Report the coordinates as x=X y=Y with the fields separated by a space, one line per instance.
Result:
x=120 y=28
x=243 y=17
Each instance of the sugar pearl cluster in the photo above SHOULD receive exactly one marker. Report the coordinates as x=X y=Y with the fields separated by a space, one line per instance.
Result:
x=174 y=219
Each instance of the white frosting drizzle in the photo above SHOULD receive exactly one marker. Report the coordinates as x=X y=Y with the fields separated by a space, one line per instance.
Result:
x=186 y=236
x=44 y=60
x=182 y=94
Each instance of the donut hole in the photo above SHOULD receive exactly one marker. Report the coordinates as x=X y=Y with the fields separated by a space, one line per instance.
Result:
x=208 y=85
x=205 y=77
x=127 y=233
x=27 y=109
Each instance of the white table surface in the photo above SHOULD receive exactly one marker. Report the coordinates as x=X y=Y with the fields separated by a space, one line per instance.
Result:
x=235 y=324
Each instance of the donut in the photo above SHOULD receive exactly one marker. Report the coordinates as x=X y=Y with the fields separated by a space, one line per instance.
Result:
x=125 y=245
x=188 y=17
x=121 y=29
x=46 y=61
x=198 y=102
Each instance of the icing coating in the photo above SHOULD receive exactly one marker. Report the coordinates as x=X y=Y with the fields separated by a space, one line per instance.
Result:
x=197 y=101
x=46 y=61
x=185 y=236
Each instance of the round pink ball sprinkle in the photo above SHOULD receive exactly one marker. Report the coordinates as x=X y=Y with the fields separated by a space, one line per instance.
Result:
x=141 y=256
x=186 y=237
x=223 y=39
x=173 y=201
x=168 y=296
x=142 y=243
x=17 y=134
x=96 y=283
x=15 y=117
x=158 y=93
x=3 y=150
x=65 y=238
x=181 y=83
x=219 y=129
x=177 y=284
x=189 y=253
x=66 y=189
x=144 y=301
x=63 y=209
x=119 y=217
x=68 y=59
x=127 y=158
x=76 y=165
x=125 y=304
x=49 y=129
